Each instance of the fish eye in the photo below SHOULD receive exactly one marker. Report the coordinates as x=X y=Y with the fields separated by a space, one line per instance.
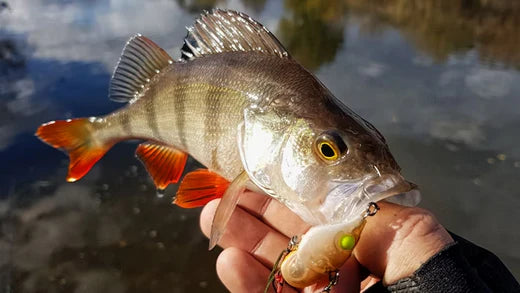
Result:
x=328 y=151
x=331 y=146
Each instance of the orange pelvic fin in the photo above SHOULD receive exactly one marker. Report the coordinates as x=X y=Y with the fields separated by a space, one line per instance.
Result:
x=75 y=136
x=200 y=187
x=164 y=164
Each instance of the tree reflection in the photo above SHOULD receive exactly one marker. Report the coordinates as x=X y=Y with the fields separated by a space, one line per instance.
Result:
x=197 y=6
x=313 y=30
x=444 y=27
x=12 y=69
x=256 y=5
x=10 y=56
x=4 y=6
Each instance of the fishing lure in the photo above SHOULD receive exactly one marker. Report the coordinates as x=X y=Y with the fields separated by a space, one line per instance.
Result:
x=320 y=252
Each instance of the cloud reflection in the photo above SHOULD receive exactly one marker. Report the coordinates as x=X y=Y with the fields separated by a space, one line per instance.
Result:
x=51 y=225
x=489 y=83
x=90 y=31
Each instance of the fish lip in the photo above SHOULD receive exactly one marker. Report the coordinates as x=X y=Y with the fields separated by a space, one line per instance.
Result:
x=387 y=185
x=348 y=199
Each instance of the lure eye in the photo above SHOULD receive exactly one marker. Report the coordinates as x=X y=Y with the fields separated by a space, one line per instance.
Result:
x=347 y=242
x=330 y=146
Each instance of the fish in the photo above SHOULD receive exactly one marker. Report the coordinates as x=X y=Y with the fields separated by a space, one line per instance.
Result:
x=237 y=102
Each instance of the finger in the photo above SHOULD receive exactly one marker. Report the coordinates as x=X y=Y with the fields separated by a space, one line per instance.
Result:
x=247 y=233
x=273 y=213
x=240 y=272
x=398 y=240
x=349 y=277
x=369 y=282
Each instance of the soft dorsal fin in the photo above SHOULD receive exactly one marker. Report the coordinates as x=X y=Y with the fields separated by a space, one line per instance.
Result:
x=164 y=164
x=229 y=31
x=140 y=61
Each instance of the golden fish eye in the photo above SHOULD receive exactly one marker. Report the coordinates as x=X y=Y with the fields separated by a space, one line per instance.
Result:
x=330 y=146
x=327 y=150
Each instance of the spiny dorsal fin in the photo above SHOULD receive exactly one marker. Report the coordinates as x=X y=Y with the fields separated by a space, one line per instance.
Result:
x=229 y=31
x=140 y=61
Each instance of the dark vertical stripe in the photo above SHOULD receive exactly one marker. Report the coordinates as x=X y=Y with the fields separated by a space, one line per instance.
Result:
x=151 y=117
x=214 y=159
x=125 y=123
x=212 y=121
x=211 y=101
x=180 y=116
x=217 y=128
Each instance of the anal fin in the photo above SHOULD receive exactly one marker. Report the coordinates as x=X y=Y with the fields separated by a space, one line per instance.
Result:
x=200 y=187
x=164 y=164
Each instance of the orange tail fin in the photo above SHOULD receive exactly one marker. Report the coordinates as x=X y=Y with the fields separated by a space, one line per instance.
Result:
x=74 y=136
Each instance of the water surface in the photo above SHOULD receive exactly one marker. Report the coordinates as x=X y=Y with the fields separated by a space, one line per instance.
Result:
x=440 y=79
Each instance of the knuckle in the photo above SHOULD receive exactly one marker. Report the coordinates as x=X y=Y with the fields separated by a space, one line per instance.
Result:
x=418 y=223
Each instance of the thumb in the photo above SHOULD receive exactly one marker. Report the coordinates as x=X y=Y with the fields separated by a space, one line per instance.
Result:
x=397 y=240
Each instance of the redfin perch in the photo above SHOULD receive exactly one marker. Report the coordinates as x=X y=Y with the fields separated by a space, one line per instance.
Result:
x=241 y=105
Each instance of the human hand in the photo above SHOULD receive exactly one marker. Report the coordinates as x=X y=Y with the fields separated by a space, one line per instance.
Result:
x=393 y=244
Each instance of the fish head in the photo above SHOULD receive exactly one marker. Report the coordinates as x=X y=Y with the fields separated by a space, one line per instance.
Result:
x=323 y=162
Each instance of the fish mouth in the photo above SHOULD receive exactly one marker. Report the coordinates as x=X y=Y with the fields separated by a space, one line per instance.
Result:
x=350 y=199
x=387 y=185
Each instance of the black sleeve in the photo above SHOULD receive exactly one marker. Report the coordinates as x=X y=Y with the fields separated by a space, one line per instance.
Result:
x=460 y=267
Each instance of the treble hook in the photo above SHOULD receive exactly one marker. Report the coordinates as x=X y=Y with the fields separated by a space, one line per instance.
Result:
x=333 y=281
x=275 y=277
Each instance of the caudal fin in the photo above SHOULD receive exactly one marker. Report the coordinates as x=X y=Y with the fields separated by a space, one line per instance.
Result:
x=74 y=136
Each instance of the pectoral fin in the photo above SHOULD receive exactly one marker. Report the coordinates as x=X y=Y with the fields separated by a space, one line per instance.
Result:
x=226 y=207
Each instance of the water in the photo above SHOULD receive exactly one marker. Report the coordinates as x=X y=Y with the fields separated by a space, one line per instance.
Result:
x=440 y=79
